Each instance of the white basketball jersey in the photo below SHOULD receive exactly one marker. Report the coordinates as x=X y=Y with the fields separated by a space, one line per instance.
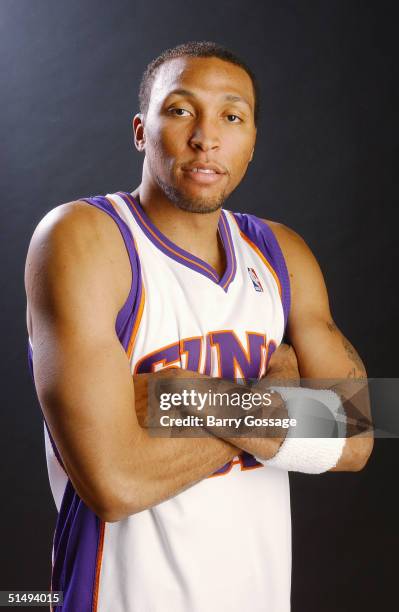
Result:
x=224 y=544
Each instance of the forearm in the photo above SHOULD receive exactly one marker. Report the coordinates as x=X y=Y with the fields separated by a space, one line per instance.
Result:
x=352 y=390
x=354 y=415
x=359 y=442
x=159 y=468
x=264 y=442
x=263 y=446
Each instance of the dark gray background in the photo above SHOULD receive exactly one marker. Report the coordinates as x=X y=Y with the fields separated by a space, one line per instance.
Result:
x=324 y=165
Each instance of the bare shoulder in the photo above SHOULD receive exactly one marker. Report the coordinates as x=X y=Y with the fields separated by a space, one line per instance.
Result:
x=306 y=277
x=78 y=220
x=291 y=243
x=74 y=246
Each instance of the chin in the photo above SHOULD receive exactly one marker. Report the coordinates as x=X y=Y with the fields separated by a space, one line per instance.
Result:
x=198 y=203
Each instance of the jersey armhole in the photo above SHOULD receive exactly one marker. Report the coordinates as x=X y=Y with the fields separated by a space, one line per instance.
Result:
x=125 y=312
x=260 y=233
x=282 y=271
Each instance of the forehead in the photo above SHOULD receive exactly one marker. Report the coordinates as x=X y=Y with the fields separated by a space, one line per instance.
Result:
x=208 y=76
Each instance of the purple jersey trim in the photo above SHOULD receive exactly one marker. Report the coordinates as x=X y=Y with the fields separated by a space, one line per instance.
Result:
x=76 y=540
x=263 y=237
x=124 y=321
x=180 y=255
x=76 y=543
x=78 y=529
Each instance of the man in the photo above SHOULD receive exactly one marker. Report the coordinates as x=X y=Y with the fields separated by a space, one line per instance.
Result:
x=162 y=282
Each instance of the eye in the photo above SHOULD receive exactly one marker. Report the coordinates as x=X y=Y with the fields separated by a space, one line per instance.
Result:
x=233 y=118
x=179 y=112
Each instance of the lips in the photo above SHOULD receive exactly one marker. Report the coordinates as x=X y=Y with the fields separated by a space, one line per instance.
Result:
x=203 y=175
x=203 y=168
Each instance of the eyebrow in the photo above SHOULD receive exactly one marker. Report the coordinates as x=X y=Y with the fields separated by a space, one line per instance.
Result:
x=227 y=97
x=232 y=98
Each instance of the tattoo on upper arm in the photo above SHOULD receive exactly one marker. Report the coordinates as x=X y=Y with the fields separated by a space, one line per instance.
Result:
x=359 y=370
x=331 y=326
x=354 y=357
x=353 y=373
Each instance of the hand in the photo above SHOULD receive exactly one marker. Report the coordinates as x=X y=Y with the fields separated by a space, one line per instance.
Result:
x=140 y=399
x=283 y=365
x=142 y=387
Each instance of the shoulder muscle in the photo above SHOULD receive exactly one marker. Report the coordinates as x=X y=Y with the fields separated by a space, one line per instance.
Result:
x=76 y=262
x=309 y=295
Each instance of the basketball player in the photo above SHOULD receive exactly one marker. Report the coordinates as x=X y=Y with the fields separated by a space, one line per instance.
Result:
x=163 y=281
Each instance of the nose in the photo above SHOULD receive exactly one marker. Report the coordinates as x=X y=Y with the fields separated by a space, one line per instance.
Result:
x=205 y=135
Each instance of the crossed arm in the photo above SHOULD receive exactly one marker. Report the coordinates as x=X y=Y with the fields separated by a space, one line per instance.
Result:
x=83 y=377
x=320 y=353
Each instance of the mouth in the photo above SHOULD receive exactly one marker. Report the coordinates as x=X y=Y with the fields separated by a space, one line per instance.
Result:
x=204 y=174
x=203 y=170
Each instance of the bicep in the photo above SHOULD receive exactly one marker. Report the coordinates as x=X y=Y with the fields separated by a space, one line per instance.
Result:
x=321 y=348
x=324 y=352
x=82 y=374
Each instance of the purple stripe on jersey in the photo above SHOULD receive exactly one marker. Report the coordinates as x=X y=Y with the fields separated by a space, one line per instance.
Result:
x=76 y=543
x=55 y=449
x=162 y=242
x=231 y=264
x=124 y=321
x=261 y=234
x=30 y=360
x=77 y=532
x=178 y=254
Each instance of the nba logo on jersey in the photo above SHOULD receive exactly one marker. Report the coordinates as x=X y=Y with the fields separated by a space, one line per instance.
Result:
x=255 y=280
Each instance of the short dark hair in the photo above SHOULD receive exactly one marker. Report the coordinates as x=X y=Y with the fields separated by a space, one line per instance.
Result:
x=193 y=49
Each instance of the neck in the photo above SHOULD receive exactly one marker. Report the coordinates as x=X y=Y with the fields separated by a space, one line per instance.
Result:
x=193 y=232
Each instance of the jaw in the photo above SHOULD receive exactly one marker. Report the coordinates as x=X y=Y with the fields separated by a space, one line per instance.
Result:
x=192 y=192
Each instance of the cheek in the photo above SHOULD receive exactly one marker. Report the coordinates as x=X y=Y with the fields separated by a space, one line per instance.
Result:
x=167 y=138
x=160 y=149
x=239 y=151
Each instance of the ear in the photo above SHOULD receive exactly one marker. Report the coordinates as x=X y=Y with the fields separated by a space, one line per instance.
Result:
x=138 y=130
x=252 y=154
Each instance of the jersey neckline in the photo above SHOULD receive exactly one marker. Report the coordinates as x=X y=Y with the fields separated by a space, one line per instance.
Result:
x=182 y=256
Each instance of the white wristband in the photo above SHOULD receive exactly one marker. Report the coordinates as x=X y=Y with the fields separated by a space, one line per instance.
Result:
x=316 y=410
